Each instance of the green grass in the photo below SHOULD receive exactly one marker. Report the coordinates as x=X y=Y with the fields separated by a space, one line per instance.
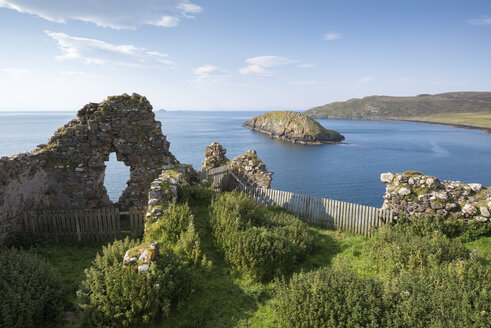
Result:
x=482 y=119
x=70 y=260
x=483 y=246
x=232 y=300
x=224 y=298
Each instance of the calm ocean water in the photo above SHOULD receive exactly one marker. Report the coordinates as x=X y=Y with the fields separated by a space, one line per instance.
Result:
x=343 y=172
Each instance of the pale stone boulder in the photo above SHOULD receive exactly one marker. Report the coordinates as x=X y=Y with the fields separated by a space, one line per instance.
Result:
x=387 y=177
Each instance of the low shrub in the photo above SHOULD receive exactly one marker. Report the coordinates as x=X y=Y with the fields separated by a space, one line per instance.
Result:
x=114 y=295
x=453 y=228
x=329 y=298
x=32 y=291
x=175 y=230
x=202 y=191
x=455 y=294
x=396 y=248
x=261 y=242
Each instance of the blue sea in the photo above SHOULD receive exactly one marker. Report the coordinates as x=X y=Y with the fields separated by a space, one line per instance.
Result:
x=348 y=172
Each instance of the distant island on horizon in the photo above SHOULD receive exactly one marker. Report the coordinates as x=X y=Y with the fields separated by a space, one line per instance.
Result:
x=461 y=109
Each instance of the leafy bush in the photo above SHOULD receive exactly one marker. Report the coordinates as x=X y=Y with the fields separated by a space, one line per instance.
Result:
x=254 y=239
x=329 y=298
x=195 y=192
x=396 y=248
x=32 y=291
x=175 y=230
x=114 y=295
x=452 y=228
x=456 y=294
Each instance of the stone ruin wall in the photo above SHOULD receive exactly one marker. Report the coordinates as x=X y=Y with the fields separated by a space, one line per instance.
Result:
x=413 y=194
x=68 y=172
x=248 y=167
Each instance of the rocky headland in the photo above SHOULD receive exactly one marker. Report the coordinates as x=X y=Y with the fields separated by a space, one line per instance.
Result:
x=293 y=127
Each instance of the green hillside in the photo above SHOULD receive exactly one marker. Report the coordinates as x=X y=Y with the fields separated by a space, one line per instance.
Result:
x=471 y=108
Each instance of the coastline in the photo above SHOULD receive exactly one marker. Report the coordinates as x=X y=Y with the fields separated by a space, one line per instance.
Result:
x=483 y=129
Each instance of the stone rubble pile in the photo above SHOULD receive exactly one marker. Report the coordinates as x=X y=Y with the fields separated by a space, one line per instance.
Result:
x=414 y=194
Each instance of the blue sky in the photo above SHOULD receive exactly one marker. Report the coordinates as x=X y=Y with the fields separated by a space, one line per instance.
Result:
x=238 y=54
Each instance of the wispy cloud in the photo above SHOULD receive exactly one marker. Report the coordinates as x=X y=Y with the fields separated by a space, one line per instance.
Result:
x=92 y=51
x=306 y=65
x=365 y=79
x=258 y=65
x=116 y=14
x=209 y=73
x=480 y=21
x=331 y=36
x=15 y=72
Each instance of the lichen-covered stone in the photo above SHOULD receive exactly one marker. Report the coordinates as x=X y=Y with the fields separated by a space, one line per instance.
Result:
x=214 y=156
x=141 y=254
x=251 y=170
x=68 y=171
x=414 y=194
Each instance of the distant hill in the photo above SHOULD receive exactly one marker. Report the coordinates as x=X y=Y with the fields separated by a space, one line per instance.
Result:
x=293 y=127
x=470 y=108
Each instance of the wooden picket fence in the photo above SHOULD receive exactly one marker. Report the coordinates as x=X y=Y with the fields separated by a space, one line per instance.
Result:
x=220 y=177
x=333 y=214
x=93 y=225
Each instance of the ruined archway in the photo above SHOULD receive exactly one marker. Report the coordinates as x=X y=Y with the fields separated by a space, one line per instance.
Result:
x=68 y=171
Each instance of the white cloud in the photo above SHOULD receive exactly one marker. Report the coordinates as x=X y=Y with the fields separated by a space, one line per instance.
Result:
x=116 y=14
x=332 y=36
x=15 y=72
x=258 y=65
x=306 y=65
x=365 y=79
x=480 y=21
x=92 y=51
x=166 y=21
x=189 y=9
x=209 y=73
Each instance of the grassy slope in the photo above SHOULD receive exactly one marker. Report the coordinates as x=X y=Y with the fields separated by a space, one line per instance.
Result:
x=225 y=299
x=482 y=119
x=472 y=108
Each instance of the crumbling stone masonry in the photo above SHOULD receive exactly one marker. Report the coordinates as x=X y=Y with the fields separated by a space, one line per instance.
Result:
x=68 y=171
x=163 y=193
x=214 y=156
x=414 y=194
x=248 y=167
x=251 y=170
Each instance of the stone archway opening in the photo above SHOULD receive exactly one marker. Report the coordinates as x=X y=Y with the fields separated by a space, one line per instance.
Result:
x=115 y=177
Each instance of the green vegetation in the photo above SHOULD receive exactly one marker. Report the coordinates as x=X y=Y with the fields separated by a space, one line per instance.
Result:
x=117 y=295
x=329 y=298
x=32 y=291
x=468 y=118
x=424 y=274
x=256 y=240
x=292 y=126
x=471 y=108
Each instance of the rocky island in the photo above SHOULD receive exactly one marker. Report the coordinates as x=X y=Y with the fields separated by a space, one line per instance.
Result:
x=293 y=127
